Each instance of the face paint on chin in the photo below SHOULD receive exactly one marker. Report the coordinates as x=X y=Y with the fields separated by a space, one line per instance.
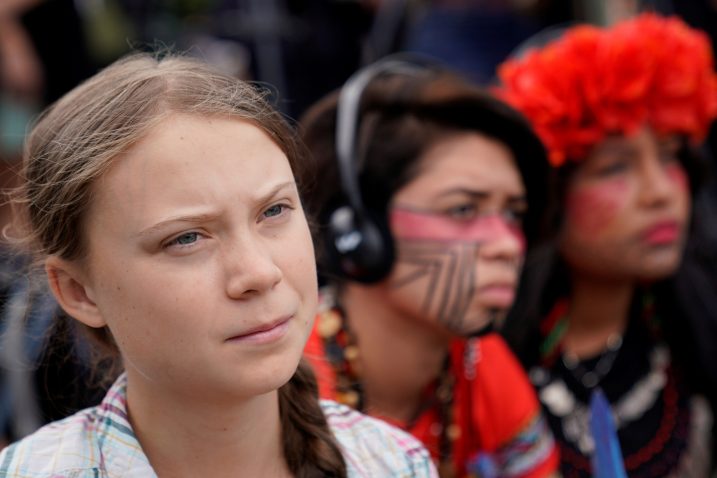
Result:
x=441 y=277
x=437 y=264
x=591 y=207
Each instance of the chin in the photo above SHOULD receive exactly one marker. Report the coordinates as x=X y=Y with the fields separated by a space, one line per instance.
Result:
x=479 y=322
x=659 y=271
x=268 y=383
x=660 y=265
x=272 y=374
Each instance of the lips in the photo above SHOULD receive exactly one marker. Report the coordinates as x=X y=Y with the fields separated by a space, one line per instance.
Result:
x=662 y=233
x=499 y=295
x=264 y=333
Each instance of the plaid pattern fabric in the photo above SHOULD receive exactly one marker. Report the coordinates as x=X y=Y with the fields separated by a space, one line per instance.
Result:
x=373 y=448
x=99 y=443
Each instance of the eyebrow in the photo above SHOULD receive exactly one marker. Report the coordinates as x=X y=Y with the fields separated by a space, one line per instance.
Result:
x=199 y=218
x=480 y=194
x=616 y=146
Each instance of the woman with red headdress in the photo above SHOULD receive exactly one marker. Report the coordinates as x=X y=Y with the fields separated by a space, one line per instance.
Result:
x=623 y=306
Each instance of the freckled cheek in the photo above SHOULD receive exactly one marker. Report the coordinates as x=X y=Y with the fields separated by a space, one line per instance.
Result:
x=590 y=209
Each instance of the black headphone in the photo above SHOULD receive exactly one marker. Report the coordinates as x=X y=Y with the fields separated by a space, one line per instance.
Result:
x=358 y=245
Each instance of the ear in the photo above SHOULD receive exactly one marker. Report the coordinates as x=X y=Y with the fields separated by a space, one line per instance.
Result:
x=70 y=287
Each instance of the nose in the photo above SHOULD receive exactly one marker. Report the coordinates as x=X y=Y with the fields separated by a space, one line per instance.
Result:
x=505 y=244
x=656 y=185
x=250 y=269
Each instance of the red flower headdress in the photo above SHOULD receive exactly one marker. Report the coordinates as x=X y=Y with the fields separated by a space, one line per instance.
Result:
x=593 y=82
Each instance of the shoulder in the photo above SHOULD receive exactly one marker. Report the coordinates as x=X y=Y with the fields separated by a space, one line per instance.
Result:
x=499 y=373
x=374 y=448
x=506 y=413
x=62 y=449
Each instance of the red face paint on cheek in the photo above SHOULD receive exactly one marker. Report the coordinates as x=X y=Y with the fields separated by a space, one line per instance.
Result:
x=519 y=236
x=413 y=225
x=590 y=208
x=678 y=176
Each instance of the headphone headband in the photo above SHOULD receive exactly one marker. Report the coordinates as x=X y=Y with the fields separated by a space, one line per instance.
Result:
x=359 y=247
x=348 y=116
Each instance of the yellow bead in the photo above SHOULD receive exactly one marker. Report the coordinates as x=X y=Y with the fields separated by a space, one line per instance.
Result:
x=453 y=432
x=329 y=324
x=350 y=398
x=351 y=353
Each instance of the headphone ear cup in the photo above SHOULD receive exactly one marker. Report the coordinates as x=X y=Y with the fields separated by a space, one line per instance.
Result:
x=357 y=247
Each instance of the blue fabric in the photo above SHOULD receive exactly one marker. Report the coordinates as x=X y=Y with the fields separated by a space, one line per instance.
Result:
x=607 y=460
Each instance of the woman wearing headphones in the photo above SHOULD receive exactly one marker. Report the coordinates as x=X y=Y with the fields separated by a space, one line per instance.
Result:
x=624 y=303
x=422 y=249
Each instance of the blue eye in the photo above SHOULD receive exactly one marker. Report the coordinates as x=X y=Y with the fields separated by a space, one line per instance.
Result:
x=185 y=239
x=274 y=210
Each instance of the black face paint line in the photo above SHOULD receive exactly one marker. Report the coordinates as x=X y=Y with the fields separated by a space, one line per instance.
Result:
x=448 y=272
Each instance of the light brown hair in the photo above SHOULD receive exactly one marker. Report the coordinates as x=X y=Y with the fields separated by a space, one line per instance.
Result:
x=77 y=140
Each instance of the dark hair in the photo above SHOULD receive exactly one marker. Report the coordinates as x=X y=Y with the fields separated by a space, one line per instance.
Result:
x=686 y=301
x=401 y=116
x=78 y=139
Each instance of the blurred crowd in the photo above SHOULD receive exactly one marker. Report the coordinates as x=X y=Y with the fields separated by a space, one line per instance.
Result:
x=303 y=50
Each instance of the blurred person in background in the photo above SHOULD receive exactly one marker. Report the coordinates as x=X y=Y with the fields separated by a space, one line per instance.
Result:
x=623 y=304
x=42 y=377
x=423 y=209
x=303 y=49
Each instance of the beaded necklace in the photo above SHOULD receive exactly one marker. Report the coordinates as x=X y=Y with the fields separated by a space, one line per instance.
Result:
x=342 y=352
x=659 y=383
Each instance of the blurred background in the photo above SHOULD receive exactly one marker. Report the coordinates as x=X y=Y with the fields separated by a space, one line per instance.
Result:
x=301 y=48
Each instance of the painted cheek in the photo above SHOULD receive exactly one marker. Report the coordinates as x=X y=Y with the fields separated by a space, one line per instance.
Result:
x=591 y=208
x=676 y=174
x=412 y=225
x=518 y=235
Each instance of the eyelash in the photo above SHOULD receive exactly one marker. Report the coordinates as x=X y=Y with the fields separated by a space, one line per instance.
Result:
x=614 y=167
x=668 y=153
x=517 y=215
x=175 y=242
x=459 y=213
x=283 y=209
x=462 y=212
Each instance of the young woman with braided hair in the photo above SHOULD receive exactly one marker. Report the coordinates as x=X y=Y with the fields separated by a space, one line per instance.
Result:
x=164 y=200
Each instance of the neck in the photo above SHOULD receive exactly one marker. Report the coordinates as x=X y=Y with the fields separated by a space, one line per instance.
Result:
x=414 y=349
x=182 y=438
x=598 y=309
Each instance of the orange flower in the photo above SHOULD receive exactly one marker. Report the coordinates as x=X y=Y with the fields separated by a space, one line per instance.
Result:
x=593 y=82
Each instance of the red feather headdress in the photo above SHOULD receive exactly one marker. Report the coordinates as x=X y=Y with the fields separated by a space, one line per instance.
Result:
x=593 y=82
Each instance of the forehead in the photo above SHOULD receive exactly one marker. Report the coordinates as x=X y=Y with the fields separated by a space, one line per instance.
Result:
x=465 y=161
x=185 y=162
x=643 y=140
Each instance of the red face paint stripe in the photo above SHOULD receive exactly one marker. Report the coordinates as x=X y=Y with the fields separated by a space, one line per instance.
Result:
x=415 y=225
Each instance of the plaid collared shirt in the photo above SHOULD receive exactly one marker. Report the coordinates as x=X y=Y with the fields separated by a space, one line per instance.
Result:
x=99 y=443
